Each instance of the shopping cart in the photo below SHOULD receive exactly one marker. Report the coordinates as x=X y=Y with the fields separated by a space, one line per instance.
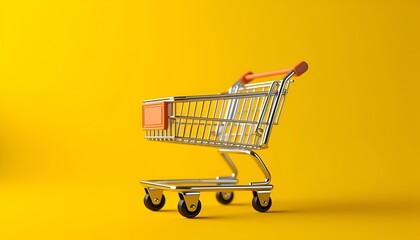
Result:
x=238 y=121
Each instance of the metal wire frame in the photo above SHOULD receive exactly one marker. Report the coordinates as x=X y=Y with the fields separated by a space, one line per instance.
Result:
x=242 y=118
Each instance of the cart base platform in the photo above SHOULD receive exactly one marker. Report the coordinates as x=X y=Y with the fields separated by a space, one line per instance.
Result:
x=189 y=189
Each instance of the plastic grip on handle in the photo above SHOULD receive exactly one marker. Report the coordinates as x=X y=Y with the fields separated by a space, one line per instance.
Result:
x=300 y=68
x=245 y=78
x=251 y=76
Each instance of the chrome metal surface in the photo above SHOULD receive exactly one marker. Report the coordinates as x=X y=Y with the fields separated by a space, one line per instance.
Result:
x=263 y=197
x=226 y=195
x=241 y=118
x=169 y=186
x=257 y=160
x=191 y=199
x=181 y=182
x=231 y=165
x=236 y=122
x=155 y=195
x=223 y=184
x=279 y=99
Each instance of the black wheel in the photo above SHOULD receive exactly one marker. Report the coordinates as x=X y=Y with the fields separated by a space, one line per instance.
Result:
x=183 y=210
x=150 y=205
x=224 y=197
x=257 y=205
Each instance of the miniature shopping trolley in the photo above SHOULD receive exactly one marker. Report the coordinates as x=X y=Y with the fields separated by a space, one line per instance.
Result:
x=239 y=121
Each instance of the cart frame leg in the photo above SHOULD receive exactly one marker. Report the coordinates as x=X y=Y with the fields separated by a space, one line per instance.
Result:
x=258 y=160
x=232 y=166
x=155 y=194
x=191 y=199
x=263 y=197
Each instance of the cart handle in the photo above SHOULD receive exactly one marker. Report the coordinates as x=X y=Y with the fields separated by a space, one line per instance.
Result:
x=299 y=69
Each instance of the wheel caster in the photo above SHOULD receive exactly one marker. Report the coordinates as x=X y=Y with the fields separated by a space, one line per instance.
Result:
x=183 y=209
x=261 y=206
x=224 y=197
x=151 y=204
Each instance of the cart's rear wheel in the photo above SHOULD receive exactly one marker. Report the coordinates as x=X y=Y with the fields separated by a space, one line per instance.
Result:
x=148 y=202
x=183 y=210
x=224 y=197
x=257 y=205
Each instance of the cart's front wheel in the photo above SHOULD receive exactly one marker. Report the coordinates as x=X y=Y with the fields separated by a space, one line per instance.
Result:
x=148 y=202
x=183 y=210
x=224 y=197
x=257 y=205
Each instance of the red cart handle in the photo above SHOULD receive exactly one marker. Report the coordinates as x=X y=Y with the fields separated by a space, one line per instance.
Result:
x=299 y=69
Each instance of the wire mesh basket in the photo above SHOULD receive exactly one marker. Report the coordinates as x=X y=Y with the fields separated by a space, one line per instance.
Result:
x=238 y=121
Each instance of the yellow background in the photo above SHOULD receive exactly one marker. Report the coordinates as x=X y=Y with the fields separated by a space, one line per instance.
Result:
x=344 y=159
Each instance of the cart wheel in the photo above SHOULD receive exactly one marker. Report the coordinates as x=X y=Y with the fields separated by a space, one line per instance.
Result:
x=183 y=210
x=257 y=205
x=151 y=206
x=224 y=197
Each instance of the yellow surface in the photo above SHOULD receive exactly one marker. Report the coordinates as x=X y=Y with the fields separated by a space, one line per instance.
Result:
x=344 y=160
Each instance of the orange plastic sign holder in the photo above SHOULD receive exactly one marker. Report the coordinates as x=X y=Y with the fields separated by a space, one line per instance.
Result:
x=155 y=116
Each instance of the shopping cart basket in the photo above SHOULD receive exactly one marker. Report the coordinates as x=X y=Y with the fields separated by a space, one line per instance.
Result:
x=239 y=121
